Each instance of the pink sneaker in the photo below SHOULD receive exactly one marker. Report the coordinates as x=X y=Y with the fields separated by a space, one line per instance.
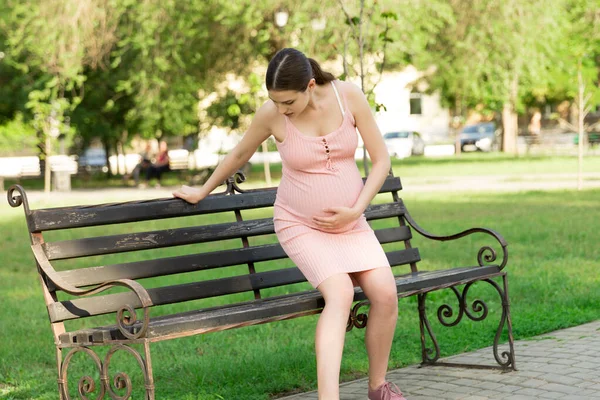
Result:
x=386 y=392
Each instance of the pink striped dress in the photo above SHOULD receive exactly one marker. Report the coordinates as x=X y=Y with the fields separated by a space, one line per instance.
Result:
x=317 y=173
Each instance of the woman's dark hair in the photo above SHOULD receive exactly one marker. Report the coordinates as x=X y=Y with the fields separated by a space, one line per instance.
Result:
x=290 y=69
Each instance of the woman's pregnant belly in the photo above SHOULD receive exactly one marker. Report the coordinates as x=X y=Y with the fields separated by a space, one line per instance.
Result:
x=309 y=196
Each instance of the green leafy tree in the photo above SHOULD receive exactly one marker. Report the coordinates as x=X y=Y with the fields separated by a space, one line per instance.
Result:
x=493 y=54
x=376 y=30
x=57 y=38
x=577 y=67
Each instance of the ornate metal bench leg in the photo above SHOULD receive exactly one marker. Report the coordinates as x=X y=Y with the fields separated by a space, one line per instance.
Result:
x=428 y=355
x=86 y=384
x=149 y=373
x=120 y=382
x=477 y=312
x=506 y=360
x=511 y=339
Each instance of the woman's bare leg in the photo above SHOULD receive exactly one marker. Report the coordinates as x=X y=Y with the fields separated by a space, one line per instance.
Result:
x=338 y=293
x=380 y=288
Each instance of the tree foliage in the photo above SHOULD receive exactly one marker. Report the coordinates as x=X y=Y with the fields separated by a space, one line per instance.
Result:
x=119 y=68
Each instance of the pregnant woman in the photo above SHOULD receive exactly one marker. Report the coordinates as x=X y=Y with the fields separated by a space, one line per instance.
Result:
x=318 y=212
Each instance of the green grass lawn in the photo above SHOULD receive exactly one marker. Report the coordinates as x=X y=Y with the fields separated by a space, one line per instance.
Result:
x=554 y=283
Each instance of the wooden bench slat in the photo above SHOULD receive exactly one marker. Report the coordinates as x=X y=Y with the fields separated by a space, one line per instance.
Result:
x=84 y=307
x=258 y=310
x=133 y=211
x=182 y=236
x=196 y=262
x=74 y=217
x=89 y=306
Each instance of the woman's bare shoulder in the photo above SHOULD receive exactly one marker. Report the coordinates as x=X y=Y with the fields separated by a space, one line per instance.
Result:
x=265 y=115
x=349 y=88
x=267 y=111
x=266 y=121
x=355 y=98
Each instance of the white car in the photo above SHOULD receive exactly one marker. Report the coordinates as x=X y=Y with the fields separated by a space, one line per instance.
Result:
x=402 y=144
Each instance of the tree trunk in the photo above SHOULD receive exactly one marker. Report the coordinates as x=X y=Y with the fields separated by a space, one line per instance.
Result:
x=581 y=116
x=458 y=111
x=117 y=161
x=509 y=125
x=510 y=119
x=106 y=146
x=47 y=172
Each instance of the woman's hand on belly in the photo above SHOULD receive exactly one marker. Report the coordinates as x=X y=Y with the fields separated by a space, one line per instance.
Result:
x=341 y=216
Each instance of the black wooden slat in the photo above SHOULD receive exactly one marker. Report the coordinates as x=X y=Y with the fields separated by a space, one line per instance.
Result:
x=156 y=239
x=133 y=211
x=97 y=305
x=83 y=216
x=391 y=184
x=282 y=305
x=386 y=210
x=196 y=262
x=171 y=265
x=210 y=317
x=402 y=257
x=182 y=236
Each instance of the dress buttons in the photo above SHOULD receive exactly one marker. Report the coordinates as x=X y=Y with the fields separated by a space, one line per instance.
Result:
x=328 y=163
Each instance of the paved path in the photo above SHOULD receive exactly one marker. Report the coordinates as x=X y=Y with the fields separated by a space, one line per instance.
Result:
x=559 y=365
x=500 y=183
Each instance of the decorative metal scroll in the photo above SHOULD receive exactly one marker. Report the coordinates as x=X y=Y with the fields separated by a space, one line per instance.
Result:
x=485 y=255
x=120 y=382
x=233 y=181
x=476 y=311
x=16 y=196
x=356 y=319
x=126 y=315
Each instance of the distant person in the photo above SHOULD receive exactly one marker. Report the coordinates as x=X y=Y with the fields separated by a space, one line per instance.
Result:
x=535 y=124
x=535 y=127
x=144 y=164
x=160 y=165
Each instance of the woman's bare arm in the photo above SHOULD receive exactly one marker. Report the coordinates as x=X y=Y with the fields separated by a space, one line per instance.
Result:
x=369 y=131
x=258 y=132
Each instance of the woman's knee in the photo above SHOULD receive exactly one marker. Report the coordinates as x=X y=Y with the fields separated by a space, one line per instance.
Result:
x=338 y=291
x=386 y=298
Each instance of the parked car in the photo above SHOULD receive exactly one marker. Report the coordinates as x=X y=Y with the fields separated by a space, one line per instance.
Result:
x=480 y=137
x=402 y=144
x=93 y=159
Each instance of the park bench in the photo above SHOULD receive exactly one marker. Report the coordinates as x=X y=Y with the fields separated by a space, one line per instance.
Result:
x=244 y=279
x=18 y=168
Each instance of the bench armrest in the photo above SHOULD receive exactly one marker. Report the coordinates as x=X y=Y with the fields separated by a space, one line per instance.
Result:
x=486 y=254
x=126 y=315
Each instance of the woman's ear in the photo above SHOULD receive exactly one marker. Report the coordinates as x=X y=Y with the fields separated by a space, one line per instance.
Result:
x=311 y=84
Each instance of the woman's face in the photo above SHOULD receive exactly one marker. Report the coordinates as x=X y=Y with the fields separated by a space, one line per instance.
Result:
x=291 y=102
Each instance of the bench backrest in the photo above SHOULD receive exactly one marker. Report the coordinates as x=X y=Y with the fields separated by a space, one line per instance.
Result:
x=221 y=249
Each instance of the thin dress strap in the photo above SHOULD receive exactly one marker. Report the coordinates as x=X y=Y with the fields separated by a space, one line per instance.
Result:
x=338 y=99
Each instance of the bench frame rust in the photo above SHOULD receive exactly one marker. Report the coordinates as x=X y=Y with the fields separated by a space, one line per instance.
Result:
x=131 y=330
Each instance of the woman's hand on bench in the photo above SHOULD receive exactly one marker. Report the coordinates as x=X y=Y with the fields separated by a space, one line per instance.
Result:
x=189 y=194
